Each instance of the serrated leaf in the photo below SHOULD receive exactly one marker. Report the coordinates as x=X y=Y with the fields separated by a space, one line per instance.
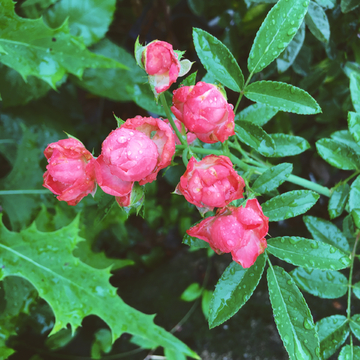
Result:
x=338 y=200
x=337 y=154
x=354 y=125
x=218 y=60
x=233 y=290
x=292 y=316
x=349 y=5
x=258 y=114
x=191 y=293
x=325 y=284
x=34 y=49
x=355 y=325
x=332 y=328
x=272 y=178
x=355 y=90
x=324 y=231
x=288 y=56
x=318 y=22
x=308 y=253
x=288 y=145
x=88 y=19
x=289 y=204
x=346 y=353
x=255 y=137
x=45 y=259
x=282 y=96
x=344 y=137
x=275 y=33
x=354 y=195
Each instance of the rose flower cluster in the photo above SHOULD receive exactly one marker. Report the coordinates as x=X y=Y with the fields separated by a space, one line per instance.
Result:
x=142 y=146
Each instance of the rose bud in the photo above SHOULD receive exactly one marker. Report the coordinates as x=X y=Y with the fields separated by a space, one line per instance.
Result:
x=139 y=149
x=70 y=172
x=190 y=137
x=240 y=231
x=211 y=182
x=161 y=64
x=204 y=111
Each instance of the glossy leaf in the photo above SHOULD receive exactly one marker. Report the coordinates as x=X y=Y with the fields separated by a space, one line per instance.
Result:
x=356 y=289
x=326 y=4
x=88 y=19
x=282 y=96
x=292 y=316
x=325 y=231
x=354 y=125
x=349 y=5
x=344 y=137
x=76 y=283
x=255 y=137
x=354 y=195
x=325 y=284
x=288 y=145
x=318 y=22
x=338 y=200
x=258 y=114
x=189 y=80
x=195 y=242
x=191 y=293
x=289 y=204
x=287 y=57
x=355 y=325
x=338 y=155
x=272 y=178
x=346 y=353
x=56 y=51
x=173 y=355
x=308 y=253
x=275 y=33
x=218 y=60
x=233 y=290
x=333 y=331
x=355 y=90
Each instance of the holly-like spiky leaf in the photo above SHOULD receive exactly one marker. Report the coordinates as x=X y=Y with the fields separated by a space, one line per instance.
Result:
x=73 y=289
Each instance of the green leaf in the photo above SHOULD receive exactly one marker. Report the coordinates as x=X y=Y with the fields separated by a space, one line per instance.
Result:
x=349 y=5
x=102 y=344
x=324 y=231
x=88 y=19
x=354 y=195
x=344 y=137
x=308 y=253
x=324 y=284
x=255 y=137
x=173 y=355
x=31 y=48
x=318 y=22
x=34 y=8
x=356 y=289
x=346 y=353
x=272 y=178
x=191 y=293
x=288 y=145
x=218 y=60
x=355 y=325
x=60 y=339
x=326 y=4
x=338 y=155
x=194 y=242
x=205 y=302
x=76 y=283
x=288 y=56
x=289 y=204
x=355 y=90
x=354 y=125
x=292 y=316
x=275 y=33
x=189 y=80
x=338 y=200
x=258 y=114
x=282 y=96
x=233 y=290
x=333 y=331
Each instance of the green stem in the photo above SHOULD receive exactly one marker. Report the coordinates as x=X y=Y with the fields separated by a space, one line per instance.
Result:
x=171 y=121
x=242 y=92
x=260 y=169
x=351 y=176
x=23 y=192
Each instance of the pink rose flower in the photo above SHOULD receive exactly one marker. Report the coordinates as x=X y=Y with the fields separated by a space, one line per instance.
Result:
x=161 y=64
x=240 y=231
x=138 y=150
x=70 y=172
x=204 y=111
x=190 y=137
x=211 y=182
